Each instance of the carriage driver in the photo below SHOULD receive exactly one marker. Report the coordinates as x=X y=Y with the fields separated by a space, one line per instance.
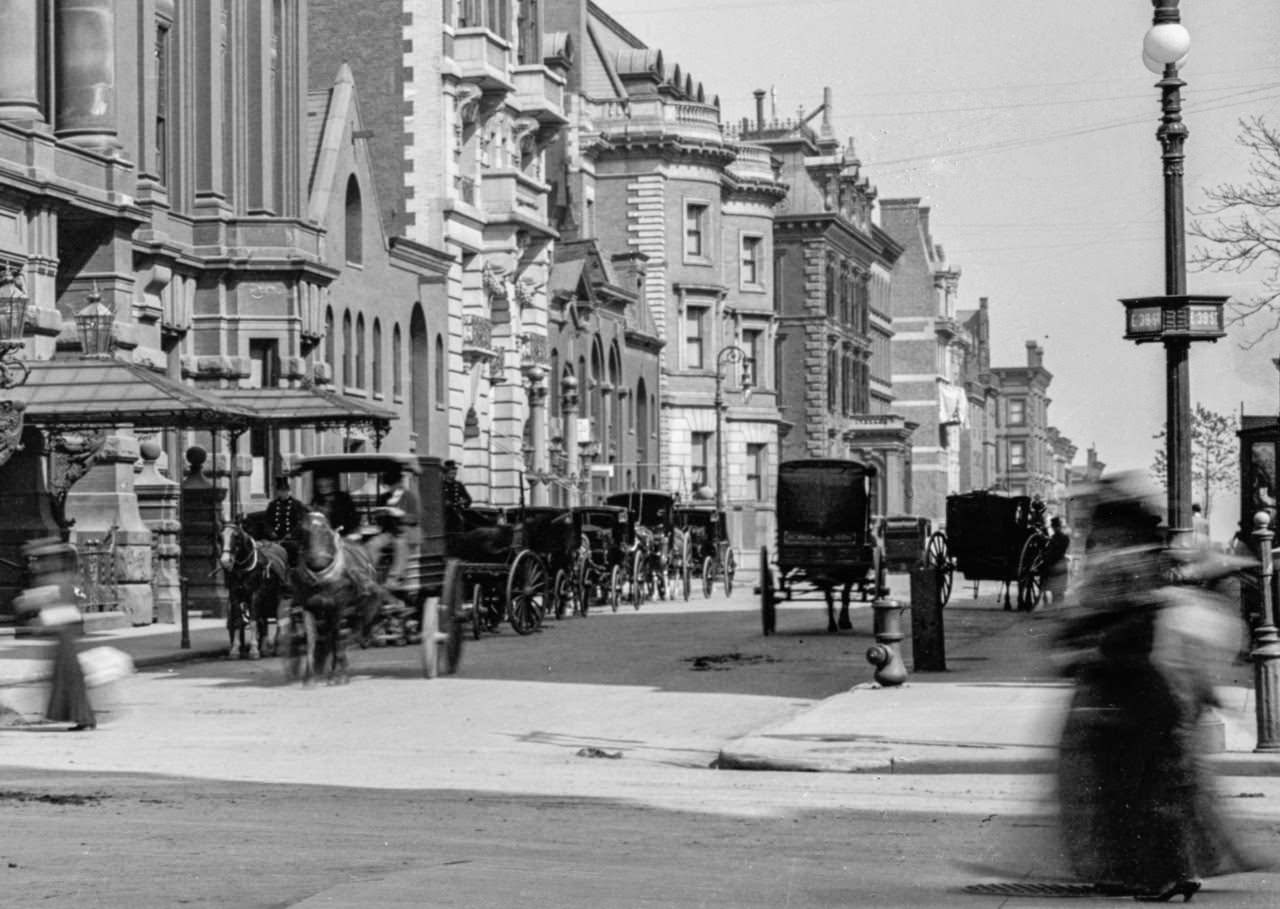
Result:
x=284 y=517
x=399 y=509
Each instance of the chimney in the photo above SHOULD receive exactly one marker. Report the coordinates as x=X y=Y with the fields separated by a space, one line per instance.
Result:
x=826 y=111
x=982 y=302
x=759 y=93
x=1035 y=355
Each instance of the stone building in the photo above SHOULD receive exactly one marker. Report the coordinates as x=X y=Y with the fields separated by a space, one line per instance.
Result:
x=938 y=365
x=832 y=297
x=1026 y=460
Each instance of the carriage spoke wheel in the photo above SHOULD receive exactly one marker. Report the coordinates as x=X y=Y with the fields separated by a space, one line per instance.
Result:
x=686 y=570
x=768 y=599
x=441 y=627
x=586 y=586
x=1031 y=573
x=615 y=587
x=708 y=575
x=564 y=593
x=638 y=579
x=526 y=592
x=935 y=557
x=730 y=566
x=479 y=617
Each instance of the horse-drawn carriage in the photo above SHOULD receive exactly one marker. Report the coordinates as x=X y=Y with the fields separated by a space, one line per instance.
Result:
x=604 y=538
x=650 y=515
x=516 y=564
x=700 y=549
x=991 y=536
x=339 y=587
x=825 y=539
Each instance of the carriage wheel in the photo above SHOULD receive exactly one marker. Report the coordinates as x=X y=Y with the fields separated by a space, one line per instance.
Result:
x=526 y=592
x=730 y=567
x=638 y=579
x=768 y=603
x=479 y=613
x=658 y=579
x=563 y=593
x=586 y=587
x=441 y=630
x=615 y=587
x=1031 y=573
x=708 y=575
x=935 y=557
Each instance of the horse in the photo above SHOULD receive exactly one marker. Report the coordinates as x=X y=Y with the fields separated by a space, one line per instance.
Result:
x=336 y=594
x=257 y=573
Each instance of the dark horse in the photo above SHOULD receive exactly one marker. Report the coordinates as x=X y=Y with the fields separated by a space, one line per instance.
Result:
x=257 y=572
x=336 y=596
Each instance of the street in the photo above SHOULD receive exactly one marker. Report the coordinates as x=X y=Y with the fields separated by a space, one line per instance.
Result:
x=567 y=769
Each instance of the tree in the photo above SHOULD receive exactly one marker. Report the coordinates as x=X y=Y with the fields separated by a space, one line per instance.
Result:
x=1243 y=230
x=1215 y=455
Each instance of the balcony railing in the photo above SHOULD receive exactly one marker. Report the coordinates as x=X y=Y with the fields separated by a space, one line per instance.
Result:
x=540 y=94
x=687 y=119
x=753 y=161
x=477 y=335
x=482 y=58
x=511 y=192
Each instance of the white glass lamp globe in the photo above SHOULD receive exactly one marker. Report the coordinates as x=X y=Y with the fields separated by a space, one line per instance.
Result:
x=1164 y=44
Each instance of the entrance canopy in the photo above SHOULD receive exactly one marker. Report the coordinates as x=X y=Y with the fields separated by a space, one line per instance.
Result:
x=101 y=392
x=307 y=406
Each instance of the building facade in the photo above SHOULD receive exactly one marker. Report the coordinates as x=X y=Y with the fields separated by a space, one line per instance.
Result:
x=1026 y=459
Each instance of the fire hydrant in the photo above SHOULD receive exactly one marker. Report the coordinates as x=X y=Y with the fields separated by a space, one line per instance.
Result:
x=884 y=655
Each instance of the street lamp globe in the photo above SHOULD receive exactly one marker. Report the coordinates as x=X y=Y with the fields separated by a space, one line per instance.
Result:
x=1164 y=44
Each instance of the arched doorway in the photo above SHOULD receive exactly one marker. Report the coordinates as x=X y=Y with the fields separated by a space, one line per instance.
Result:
x=420 y=380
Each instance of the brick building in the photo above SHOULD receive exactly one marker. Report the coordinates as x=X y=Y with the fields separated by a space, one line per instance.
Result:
x=1026 y=460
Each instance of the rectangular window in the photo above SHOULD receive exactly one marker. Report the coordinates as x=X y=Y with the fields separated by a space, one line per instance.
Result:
x=753 y=344
x=1017 y=455
x=162 y=106
x=1017 y=412
x=699 y=459
x=757 y=455
x=695 y=230
x=264 y=372
x=751 y=252
x=694 y=340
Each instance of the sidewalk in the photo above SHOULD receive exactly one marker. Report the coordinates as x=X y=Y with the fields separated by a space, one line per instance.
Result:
x=25 y=658
x=998 y=708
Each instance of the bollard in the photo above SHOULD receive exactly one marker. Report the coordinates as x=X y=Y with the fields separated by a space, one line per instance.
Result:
x=1266 y=649
x=928 y=645
x=885 y=655
x=184 y=641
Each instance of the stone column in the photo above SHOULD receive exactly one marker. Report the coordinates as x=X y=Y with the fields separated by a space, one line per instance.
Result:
x=158 y=503
x=104 y=500
x=199 y=514
x=86 y=73
x=538 y=432
x=20 y=62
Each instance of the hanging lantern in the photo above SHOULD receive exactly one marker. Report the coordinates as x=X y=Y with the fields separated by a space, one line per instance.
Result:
x=96 y=325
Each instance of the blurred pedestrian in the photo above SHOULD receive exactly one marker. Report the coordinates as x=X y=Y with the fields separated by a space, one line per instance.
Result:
x=1057 y=567
x=49 y=603
x=335 y=504
x=1199 y=526
x=1138 y=814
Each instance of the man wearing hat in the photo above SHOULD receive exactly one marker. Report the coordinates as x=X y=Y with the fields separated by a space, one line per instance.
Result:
x=284 y=516
x=455 y=495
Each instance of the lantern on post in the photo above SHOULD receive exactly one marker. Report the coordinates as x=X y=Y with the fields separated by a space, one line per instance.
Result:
x=96 y=326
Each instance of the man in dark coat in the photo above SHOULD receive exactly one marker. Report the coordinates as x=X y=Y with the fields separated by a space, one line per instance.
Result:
x=284 y=517
x=456 y=498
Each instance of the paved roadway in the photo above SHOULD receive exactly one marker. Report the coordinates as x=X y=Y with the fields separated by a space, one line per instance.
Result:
x=567 y=769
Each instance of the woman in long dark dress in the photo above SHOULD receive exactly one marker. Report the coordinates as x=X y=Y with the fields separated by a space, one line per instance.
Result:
x=1138 y=813
x=68 y=693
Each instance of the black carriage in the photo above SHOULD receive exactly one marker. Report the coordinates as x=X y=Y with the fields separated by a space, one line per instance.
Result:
x=549 y=532
x=991 y=536
x=825 y=538
x=425 y=608
x=700 y=549
x=605 y=539
x=650 y=512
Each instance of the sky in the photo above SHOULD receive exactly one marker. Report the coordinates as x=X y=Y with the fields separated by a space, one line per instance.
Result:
x=1028 y=127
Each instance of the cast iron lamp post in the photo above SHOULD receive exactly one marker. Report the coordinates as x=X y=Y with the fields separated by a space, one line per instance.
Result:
x=729 y=354
x=1177 y=318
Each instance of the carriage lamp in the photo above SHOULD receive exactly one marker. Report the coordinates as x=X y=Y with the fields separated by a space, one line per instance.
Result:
x=95 y=325
x=1177 y=318
x=13 y=321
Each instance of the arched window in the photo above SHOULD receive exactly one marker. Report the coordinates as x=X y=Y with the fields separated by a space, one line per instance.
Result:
x=360 y=352
x=397 y=363
x=348 y=373
x=442 y=385
x=354 y=223
x=329 y=329
x=375 y=359
x=641 y=426
x=831 y=290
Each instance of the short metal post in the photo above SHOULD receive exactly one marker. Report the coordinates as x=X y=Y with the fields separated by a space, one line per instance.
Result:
x=885 y=654
x=1266 y=642
x=184 y=643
